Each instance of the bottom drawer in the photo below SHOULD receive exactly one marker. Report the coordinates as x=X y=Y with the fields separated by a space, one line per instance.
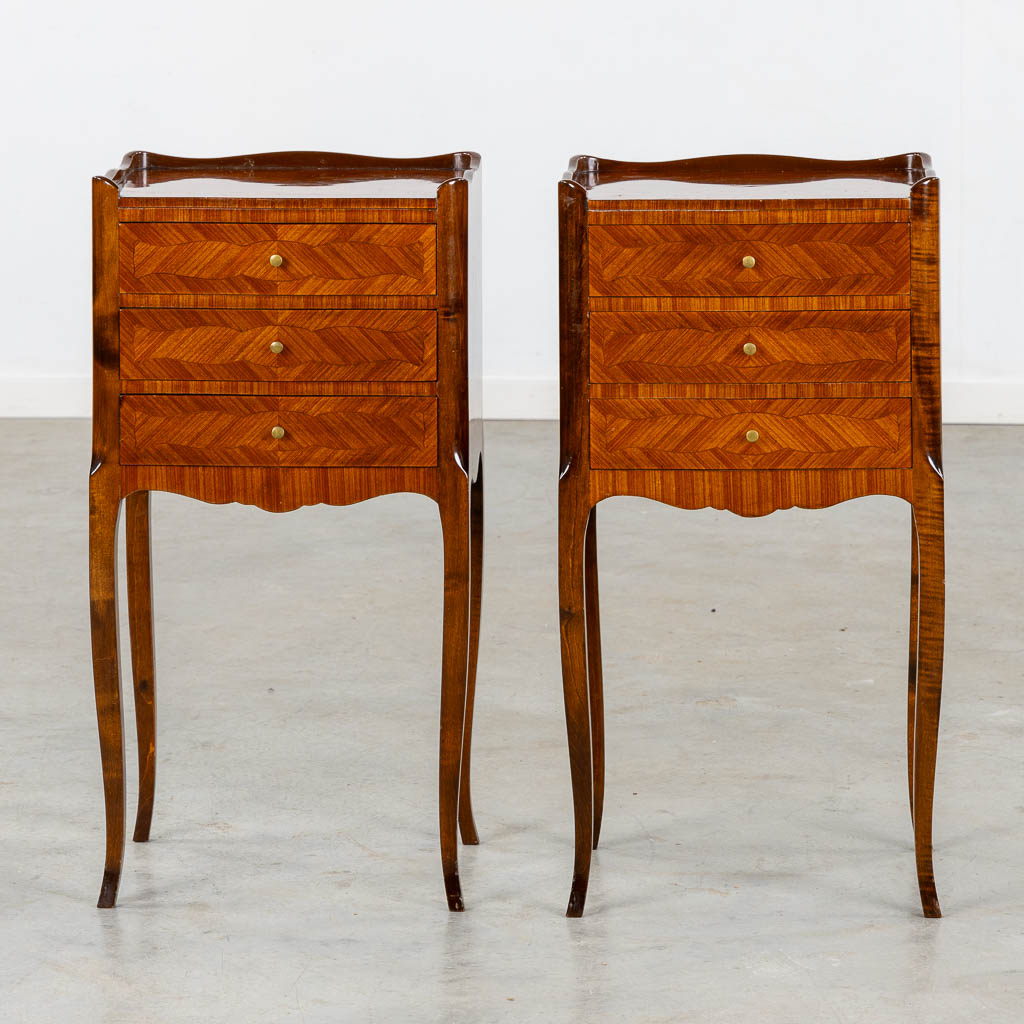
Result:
x=790 y=433
x=224 y=430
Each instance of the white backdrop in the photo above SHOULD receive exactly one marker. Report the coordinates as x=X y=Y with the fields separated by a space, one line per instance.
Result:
x=527 y=84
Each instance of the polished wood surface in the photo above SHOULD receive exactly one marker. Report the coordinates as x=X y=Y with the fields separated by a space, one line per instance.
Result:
x=752 y=492
x=712 y=347
x=235 y=345
x=280 y=490
x=262 y=175
x=748 y=212
x=750 y=169
x=262 y=387
x=271 y=211
x=712 y=433
x=790 y=259
x=143 y=300
x=848 y=389
x=374 y=315
x=574 y=511
x=104 y=514
x=140 y=622
x=226 y=430
x=653 y=193
x=317 y=259
x=929 y=531
x=745 y=304
x=839 y=387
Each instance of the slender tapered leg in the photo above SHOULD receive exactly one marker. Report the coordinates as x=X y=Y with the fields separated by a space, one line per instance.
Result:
x=572 y=527
x=928 y=513
x=915 y=582
x=594 y=675
x=140 y=621
x=455 y=527
x=104 y=510
x=467 y=826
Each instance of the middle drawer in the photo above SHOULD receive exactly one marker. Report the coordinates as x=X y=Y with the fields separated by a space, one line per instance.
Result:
x=278 y=345
x=748 y=348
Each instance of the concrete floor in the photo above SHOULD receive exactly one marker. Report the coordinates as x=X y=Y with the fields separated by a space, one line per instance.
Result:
x=756 y=861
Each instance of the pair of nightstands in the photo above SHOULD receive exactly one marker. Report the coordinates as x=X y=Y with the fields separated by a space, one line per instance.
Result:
x=748 y=333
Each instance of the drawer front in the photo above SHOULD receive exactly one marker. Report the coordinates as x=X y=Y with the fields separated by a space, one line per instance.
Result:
x=801 y=433
x=309 y=345
x=789 y=259
x=747 y=348
x=316 y=259
x=217 y=430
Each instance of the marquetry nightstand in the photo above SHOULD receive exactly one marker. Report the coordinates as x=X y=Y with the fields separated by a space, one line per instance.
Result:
x=284 y=329
x=748 y=333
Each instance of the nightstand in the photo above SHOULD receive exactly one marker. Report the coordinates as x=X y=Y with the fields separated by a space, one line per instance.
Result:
x=748 y=333
x=284 y=329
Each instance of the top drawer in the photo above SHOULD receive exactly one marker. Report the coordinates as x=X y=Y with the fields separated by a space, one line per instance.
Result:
x=308 y=259
x=715 y=259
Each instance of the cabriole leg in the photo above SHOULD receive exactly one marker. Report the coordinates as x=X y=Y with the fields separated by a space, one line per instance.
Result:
x=594 y=673
x=467 y=826
x=915 y=582
x=928 y=514
x=140 y=621
x=104 y=511
x=455 y=527
x=572 y=526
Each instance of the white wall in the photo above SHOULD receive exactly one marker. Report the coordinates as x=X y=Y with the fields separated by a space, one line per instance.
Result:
x=527 y=84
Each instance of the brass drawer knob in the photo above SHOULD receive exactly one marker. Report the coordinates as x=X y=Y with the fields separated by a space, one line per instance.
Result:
x=275 y=260
x=752 y=436
x=276 y=347
x=748 y=261
x=278 y=432
x=749 y=349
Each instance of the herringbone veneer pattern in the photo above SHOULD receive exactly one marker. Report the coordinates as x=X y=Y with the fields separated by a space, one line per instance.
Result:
x=800 y=433
x=318 y=259
x=318 y=345
x=796 y=346
x=790 y=259
x=227 y=430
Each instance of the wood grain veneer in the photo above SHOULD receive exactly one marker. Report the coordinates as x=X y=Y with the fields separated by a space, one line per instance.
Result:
x=376 y=306
x=280 y=490
x=657 y=396
x=260 y=387
x=795 y=346
x=791 y=259
x=322 y=346
x=710 y=433
x=318 y=259
x=744 y=213
x=224 y=430
x=755 y=304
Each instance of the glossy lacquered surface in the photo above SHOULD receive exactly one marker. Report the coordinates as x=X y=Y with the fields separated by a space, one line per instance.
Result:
x=284 y=329
x=748 y=333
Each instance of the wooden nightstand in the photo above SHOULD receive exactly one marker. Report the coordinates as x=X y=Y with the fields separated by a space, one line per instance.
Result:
x=284 y=329
x=748 y=333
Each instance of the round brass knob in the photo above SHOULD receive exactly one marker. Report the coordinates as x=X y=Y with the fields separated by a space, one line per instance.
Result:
x=752 y=436
x=748 y=261
x=276 y=347
x=278 y=432
x=276 y=261
x=749 y=349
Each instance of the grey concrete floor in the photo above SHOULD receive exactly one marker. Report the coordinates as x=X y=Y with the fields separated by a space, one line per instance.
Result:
x=756 y=862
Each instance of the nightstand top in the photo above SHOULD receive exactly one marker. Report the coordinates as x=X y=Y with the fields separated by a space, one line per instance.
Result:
x=815 y=188
x=749 y=177
x=289 y=175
